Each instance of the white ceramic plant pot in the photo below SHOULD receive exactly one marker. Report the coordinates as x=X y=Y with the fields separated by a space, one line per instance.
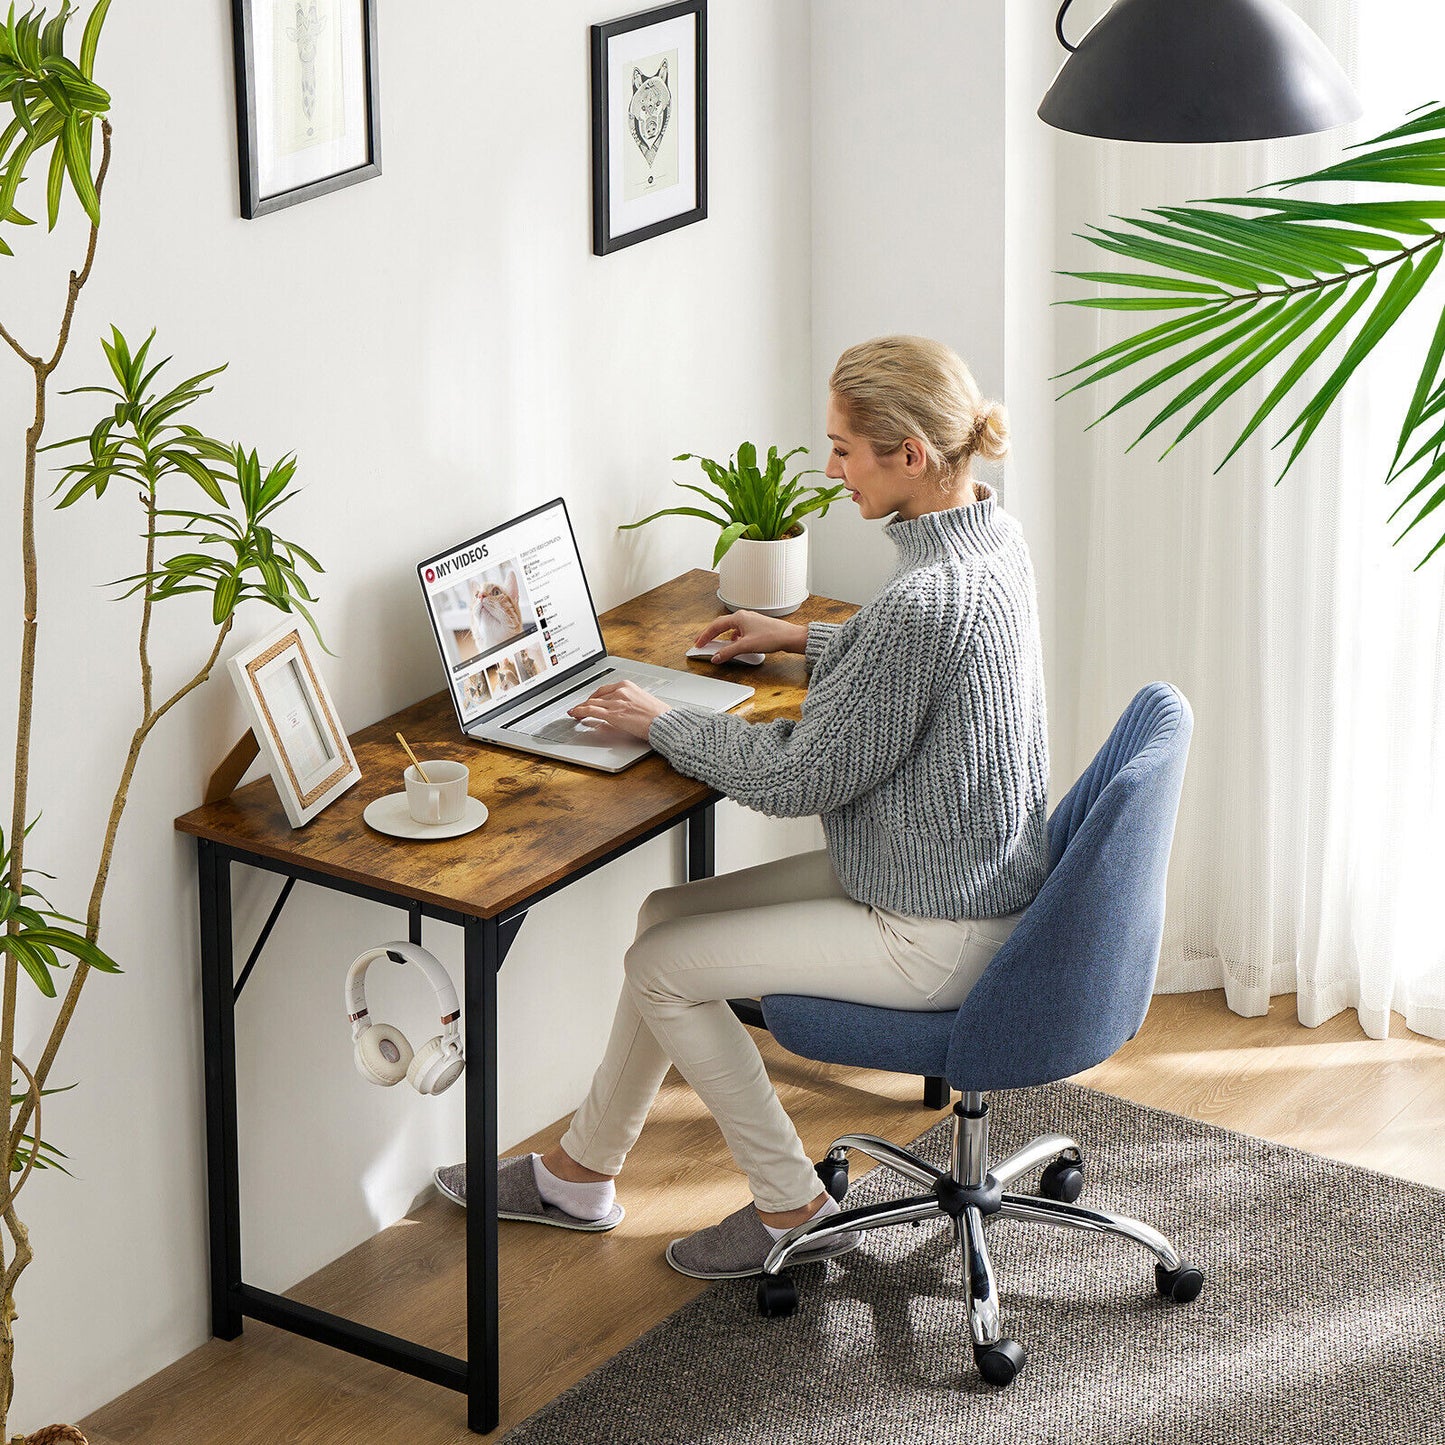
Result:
x=767 y=577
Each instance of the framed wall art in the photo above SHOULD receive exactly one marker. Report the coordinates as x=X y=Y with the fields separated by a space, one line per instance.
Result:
x=295 y=724
x=308 y=110
x=649 y=124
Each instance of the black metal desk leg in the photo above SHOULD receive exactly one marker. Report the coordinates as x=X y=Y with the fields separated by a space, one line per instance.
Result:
x=483 y=957
x=702 y=844
x=219 y=1030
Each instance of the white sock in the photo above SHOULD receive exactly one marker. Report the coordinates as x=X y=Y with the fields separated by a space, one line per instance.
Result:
x=581 y=1201
x=830 y=1206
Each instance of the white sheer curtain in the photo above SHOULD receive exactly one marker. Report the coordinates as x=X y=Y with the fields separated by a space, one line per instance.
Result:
x=1310 y=850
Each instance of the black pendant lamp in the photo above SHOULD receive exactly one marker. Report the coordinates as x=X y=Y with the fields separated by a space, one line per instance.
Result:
x=1197 y=71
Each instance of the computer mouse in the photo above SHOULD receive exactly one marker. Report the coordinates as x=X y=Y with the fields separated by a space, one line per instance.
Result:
x=704 y=652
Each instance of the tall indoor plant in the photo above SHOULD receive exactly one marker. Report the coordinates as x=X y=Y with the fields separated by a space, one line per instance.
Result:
x=1256 y=279
x=224 y=547
x=762 y=546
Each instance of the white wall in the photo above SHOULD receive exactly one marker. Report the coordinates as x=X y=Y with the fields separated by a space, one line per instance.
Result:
x=442 y=350
x=933 y=212
x=908 y=203
x=1032 y=56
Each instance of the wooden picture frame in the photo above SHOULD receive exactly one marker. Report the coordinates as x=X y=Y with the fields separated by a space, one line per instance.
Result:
x=295 y=723
x=308 y=106
x=649 y=124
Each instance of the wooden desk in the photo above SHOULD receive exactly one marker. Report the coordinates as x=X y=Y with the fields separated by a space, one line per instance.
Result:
x=550 y=823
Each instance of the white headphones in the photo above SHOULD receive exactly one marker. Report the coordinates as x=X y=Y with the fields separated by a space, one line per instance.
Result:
x=382 y=1052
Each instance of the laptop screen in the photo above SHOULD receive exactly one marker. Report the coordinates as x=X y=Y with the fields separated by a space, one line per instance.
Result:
x=511 y=610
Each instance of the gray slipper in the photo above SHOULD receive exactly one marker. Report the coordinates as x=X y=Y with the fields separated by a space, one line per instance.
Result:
x=517 y=1196
x=737 y=1247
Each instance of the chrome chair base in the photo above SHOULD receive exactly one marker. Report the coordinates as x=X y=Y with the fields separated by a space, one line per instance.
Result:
x=968 y=1194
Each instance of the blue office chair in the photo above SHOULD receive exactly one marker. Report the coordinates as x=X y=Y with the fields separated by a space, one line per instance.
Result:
x=1068 y=988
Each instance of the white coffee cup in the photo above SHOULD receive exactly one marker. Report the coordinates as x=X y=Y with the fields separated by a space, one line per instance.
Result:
x=444 y=798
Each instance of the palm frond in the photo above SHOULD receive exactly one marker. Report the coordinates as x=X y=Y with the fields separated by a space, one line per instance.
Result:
x=1272 y=278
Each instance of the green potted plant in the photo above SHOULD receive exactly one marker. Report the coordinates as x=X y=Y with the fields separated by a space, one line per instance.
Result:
x=762 y=547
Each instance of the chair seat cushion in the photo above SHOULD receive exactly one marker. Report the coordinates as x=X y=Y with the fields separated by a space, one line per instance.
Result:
x=899 y=1040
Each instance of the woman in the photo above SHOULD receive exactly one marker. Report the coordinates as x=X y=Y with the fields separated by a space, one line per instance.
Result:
x=922 y=746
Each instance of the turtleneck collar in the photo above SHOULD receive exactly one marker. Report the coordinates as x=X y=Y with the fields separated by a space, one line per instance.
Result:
x=974 y=529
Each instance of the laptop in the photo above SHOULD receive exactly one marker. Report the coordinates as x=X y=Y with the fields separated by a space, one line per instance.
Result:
x=520 y=644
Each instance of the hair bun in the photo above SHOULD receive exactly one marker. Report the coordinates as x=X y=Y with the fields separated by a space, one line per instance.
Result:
x=990 y=439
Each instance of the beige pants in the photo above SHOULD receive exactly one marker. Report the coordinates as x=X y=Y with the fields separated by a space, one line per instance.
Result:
x=784 y=927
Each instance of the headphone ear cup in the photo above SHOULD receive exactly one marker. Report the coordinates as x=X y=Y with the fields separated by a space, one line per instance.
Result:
x=383 y=1055
x=435 y=1067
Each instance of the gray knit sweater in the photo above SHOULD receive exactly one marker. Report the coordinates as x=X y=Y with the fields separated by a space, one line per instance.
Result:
x=922 y=740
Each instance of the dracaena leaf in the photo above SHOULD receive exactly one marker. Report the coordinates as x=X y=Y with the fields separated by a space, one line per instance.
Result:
x=228 y=591
x=55 y=184
x=30 y=960
x=90 y=37
x=198 y=472
x=74 y=137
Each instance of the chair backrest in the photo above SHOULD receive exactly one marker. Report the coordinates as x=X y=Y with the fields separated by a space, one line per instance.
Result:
x=1073 y=981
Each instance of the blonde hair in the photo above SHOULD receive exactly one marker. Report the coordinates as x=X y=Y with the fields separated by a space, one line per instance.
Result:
x=895 y=387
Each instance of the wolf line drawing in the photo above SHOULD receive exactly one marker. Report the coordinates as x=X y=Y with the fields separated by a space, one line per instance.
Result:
x=308 y=27
x=649 y=111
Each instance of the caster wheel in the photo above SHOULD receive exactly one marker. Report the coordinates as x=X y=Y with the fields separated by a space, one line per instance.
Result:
x=1180 y=1285
x=998 y=1363
x=777 y=1296
x=834 y=1174
x=1062 y=1180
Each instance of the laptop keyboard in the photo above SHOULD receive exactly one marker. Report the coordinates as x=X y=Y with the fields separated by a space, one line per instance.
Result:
x=567 y=729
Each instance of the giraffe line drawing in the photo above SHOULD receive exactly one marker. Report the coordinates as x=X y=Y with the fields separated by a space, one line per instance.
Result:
x=308 y=27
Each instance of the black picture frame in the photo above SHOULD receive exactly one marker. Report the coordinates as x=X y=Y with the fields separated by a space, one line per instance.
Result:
x=604 y=239
x=253 y=202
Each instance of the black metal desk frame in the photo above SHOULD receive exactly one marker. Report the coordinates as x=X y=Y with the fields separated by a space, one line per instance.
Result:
x=485 y=945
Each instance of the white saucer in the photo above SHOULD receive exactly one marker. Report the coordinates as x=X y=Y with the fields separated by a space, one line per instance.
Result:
x=392 y=815
x=766 y=611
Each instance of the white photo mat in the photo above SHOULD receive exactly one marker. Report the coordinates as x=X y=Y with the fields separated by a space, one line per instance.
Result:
x=307 y=107
x=289 y=151
x=623 y=54
x=295 y=723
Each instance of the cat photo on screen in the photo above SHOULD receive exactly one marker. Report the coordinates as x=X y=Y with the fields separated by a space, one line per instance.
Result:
x=498 y=609
x=485 y=612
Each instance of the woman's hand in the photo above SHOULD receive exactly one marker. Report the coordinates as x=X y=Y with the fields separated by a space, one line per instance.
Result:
x=622 y=705
x=755 y=633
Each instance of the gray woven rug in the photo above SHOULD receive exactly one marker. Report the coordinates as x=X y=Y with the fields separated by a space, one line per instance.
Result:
x=1322 y=1320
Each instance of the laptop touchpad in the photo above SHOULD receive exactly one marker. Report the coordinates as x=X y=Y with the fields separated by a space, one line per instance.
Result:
x=582 y=734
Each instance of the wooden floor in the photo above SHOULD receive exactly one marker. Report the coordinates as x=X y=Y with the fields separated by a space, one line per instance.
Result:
x=571 y=1301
